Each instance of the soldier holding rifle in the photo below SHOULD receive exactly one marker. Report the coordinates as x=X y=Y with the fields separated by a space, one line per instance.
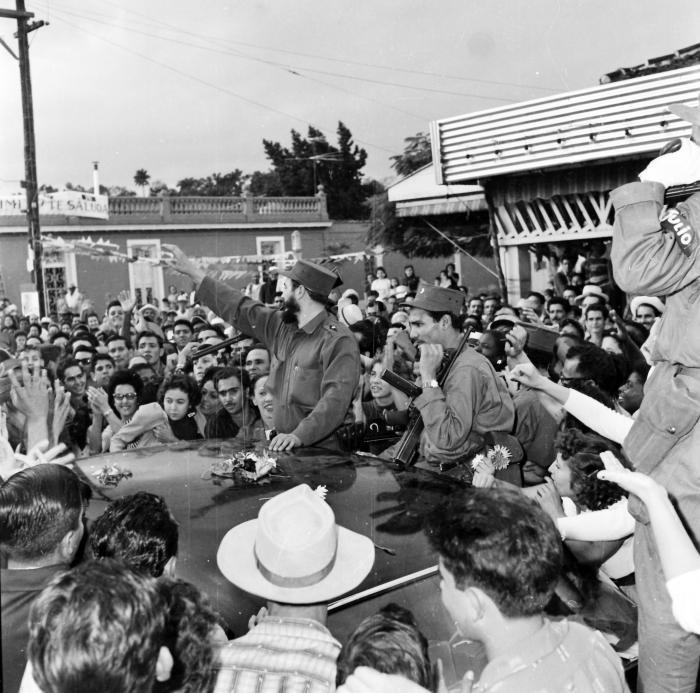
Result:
x=316 y=365
x=472 y=401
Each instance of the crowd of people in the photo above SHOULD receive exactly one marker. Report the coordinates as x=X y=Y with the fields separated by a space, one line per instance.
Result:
x=567 y=565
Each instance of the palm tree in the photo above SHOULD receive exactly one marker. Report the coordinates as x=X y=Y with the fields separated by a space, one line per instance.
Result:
x=141 y=179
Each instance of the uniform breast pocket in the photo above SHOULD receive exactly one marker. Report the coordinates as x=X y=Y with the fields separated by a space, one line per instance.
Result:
x=307 y=385
x=670 y=410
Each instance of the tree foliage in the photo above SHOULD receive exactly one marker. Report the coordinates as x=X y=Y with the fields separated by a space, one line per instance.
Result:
x=215 y=185
x=141 y=178
x=416 y=154
x=413 y=236
x=311 y=161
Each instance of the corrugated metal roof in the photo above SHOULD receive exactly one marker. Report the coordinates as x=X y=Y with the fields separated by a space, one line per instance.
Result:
x=620 y=119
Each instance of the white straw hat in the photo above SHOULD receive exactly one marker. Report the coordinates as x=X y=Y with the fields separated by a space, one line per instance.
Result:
x=294 y=553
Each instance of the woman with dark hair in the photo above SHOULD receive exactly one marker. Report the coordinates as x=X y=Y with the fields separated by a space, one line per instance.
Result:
x=382 y=284
x=152 y=424
x=115 y=407
x=179 y=397
x=209 y=403
x=591 y=513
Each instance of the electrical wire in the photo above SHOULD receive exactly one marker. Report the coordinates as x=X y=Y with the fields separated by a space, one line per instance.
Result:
x=211 y=85
x=315 y=56
x=296 y=71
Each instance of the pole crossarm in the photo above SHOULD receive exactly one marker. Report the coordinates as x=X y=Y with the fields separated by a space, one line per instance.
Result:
x=15 y=14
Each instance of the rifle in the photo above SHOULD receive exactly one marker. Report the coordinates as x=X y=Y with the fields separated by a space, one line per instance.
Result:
x=678 y=192
x=407 y=450
x=681 y=192
x=213 y=348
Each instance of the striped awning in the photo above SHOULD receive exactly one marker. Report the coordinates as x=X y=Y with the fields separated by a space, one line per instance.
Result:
x=458 y=205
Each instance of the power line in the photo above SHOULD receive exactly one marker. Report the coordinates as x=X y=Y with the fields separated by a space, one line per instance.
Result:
x=211 y=85
x=316 y=56
x=422 y=118
x=297 y=71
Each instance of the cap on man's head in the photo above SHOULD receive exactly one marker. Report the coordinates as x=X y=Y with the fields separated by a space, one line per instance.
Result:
x=316 y=278
x=435 y=299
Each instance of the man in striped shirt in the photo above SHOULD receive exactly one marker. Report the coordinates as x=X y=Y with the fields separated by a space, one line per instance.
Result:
x=298 y=559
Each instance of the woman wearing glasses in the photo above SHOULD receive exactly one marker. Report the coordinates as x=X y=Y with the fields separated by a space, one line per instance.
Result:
x=116 y=407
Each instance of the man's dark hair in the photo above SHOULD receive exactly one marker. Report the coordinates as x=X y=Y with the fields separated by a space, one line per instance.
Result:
x=99 y=356
x=82 y=347
x=598 y=307
x=559 y=301
x=138 y=530
x=597 y=365
x=117 y=338
x=390 y=642
x=570 y=322
x=124 y=377
x=230 y=372
x=148 y=333
x=64 y=364
x=502 y=543
x=38 y=507
x=113 y=303
x=185 y=322
x=536 y=294
x=83 y=337
x=186 y=383
x=59 y=335
x=97 y=627
x=252 y=347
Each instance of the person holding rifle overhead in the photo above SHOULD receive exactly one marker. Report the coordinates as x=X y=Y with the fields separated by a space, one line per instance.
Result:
x=472 y=401
x=316 y=365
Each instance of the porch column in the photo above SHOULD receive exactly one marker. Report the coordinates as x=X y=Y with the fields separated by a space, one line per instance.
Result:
x=517 y=270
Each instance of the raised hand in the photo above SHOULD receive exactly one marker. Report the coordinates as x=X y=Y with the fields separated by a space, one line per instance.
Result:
x=127 y=301
x=31 y=396
x=549 y=499
x=430 y=361
x=641 y=485
x=61 y=411
x=173 y=258
x=526 y=374
x=515 y=341
x=98 y=399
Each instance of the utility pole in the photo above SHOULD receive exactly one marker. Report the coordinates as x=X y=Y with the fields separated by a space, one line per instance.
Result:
x=30 y=182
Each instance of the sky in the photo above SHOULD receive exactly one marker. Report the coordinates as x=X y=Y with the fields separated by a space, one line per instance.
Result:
x=191 y=88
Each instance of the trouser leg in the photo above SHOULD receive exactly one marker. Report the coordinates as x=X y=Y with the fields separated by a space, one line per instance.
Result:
x=668 y=655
